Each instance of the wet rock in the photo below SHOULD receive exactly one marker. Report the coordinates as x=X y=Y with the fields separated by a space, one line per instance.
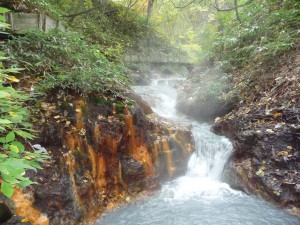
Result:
x=132 y=170
x=232 y=177
x=8 y=213
x=266 y=163
x=5 y=213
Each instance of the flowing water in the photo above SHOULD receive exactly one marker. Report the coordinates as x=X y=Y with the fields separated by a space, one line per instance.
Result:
x=199 y=197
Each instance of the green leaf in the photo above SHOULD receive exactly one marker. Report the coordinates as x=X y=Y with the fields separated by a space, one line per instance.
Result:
x=9 y=179
x=14 y=154
x=34 y=164
x=16 y=118
x=3 y=155
x=4 y=10
x=10 y=136
x=16 y=164
x=14 y=148
x=15 y=172
x=2 y=140
x=4 y=94
x=7 y=189
x=19 y=145
x=5 y=121
x=3 y=169
x=26 y=182
x=24 y=134
x=25 y=124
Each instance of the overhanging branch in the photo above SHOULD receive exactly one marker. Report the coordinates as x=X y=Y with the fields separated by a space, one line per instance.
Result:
x=82 y=12
x=188 y=4
x=233 y=8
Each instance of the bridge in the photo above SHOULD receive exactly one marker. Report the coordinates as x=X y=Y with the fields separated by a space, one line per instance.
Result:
x=156 y=58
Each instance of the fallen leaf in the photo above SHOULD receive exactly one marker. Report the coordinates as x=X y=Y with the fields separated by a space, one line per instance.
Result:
x=13 y=79
x=25 y=220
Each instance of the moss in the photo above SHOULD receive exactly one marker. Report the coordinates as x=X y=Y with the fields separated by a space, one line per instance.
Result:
x=121 y=116
x=65 y=106
x=79 y=155
x=100 y=100
x=120 y=107
x=84 y=109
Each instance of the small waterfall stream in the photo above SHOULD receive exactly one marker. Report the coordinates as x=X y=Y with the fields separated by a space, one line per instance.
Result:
x=199 y=197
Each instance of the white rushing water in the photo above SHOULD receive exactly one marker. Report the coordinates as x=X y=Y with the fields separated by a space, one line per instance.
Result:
x=199 y=197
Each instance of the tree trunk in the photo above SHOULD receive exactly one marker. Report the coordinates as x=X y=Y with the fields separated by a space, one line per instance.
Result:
x=217 y=4
x=149 y=9
x=236 y=9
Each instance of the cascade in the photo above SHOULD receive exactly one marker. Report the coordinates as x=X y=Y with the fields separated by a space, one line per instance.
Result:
x=199 y=197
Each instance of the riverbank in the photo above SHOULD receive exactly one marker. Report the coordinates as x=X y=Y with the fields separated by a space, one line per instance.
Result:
x=265 y=132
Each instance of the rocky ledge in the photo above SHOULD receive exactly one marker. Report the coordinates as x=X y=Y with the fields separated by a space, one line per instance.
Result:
x=202 y=94
x=103 y=154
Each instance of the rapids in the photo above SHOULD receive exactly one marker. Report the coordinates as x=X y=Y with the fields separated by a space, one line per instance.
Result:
x=199 y=197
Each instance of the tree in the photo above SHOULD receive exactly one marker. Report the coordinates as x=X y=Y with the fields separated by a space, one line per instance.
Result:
x=149 y=9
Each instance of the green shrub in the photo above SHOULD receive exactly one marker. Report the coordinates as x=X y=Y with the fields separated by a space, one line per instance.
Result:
x=65 y=60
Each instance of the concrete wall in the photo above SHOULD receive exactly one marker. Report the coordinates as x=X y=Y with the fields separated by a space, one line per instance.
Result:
x=27 y=21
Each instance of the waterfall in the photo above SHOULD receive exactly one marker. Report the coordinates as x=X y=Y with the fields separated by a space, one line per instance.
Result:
x=199 y=197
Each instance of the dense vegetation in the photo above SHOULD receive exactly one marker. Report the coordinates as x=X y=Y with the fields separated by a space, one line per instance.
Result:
x=14 y=126
x=253 y=46
x=64 y=60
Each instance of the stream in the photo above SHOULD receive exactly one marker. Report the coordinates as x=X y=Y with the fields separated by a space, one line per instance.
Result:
x=199 y=197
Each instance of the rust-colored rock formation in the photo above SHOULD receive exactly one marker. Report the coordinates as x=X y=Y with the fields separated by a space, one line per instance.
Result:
x=102 y=156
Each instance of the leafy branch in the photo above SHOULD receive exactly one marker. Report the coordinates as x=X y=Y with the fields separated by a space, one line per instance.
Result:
x=15 y=160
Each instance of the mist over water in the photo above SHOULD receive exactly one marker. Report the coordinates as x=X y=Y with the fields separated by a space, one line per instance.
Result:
x=199 y=197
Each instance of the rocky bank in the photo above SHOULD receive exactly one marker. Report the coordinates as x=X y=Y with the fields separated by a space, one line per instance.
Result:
x=265 y=131
x=105 y=152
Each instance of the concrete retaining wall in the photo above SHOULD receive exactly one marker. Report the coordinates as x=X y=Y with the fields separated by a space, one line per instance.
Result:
x=27 y=21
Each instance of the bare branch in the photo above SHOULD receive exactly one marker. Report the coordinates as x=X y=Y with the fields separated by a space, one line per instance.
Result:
x=82 y=12
x=233 y=8
x=188 y=4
